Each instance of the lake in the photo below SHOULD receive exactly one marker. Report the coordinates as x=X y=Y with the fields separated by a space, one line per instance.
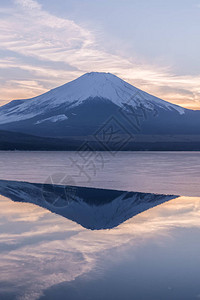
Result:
x=151 y=172
x=133 y=233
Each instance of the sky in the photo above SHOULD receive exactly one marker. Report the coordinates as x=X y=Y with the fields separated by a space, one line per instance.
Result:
x=152 y=44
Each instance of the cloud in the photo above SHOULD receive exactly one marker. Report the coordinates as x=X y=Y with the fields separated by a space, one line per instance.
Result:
x=32 y=34
x=30 y=4
x=35 y=32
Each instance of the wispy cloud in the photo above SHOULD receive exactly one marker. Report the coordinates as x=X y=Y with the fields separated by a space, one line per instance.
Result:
x=31 y=33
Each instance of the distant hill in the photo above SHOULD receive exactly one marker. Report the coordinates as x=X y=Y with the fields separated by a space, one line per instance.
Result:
x=19 y=141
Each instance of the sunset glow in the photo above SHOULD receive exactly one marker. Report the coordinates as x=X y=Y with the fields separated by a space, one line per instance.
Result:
x=43 y=47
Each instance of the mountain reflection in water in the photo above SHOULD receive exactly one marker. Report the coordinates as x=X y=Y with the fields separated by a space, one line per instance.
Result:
x=92 y=208
x=48 y=255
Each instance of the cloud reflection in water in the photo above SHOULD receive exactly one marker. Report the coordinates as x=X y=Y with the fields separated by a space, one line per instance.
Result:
x=40 y=249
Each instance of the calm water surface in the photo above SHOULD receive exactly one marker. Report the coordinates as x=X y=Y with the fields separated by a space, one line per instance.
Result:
x=130 y=246
x=156 y=172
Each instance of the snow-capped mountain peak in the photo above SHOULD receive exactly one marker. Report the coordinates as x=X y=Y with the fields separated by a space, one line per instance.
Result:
x=111 y=87
x=90 y=85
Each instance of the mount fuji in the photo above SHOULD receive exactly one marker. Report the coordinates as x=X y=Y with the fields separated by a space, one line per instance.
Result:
x=87 y=107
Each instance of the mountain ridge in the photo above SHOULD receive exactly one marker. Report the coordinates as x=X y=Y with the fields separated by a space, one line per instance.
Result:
x=90 y=85
x=94 y=104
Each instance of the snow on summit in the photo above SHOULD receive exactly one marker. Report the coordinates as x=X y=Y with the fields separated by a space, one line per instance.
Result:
x=89 y=85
